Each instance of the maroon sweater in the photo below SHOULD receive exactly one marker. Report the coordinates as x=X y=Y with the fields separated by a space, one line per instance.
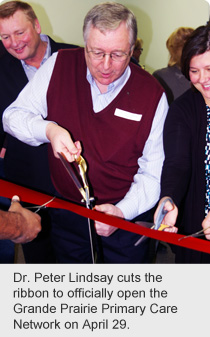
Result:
x=111 y=145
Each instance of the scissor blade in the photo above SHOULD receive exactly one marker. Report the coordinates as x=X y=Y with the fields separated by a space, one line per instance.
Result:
x=162 y=212
x=144 y=224
x=70 y=171
x=85 y=195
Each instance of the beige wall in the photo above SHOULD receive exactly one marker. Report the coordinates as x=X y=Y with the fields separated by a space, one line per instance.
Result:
x=63 y=20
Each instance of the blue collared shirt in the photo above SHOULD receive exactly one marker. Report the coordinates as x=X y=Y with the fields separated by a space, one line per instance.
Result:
x=31 y=70
x=101 y=101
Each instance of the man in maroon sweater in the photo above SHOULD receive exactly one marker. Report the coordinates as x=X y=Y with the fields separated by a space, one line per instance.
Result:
x=114 y=111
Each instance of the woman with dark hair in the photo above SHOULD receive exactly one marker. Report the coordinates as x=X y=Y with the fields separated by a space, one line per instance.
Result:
x=186 y=169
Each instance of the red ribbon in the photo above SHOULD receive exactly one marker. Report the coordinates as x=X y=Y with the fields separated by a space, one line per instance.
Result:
x=9 y=189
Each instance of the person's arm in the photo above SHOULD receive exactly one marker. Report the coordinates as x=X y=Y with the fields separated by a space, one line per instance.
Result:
x=177 y=139
x=18 y=224
x=177 y=165
x=145 y=189
x=25 y=117
x=206 y=226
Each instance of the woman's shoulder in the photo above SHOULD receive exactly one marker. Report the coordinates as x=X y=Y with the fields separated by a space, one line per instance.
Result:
x=189 y=106
x=189 y=97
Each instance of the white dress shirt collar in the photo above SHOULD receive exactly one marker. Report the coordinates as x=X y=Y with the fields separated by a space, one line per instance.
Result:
x=101 y=101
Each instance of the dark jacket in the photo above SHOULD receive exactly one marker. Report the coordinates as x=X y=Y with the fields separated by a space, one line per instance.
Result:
x=173 y=82
x=183 y=176
x=24 y=164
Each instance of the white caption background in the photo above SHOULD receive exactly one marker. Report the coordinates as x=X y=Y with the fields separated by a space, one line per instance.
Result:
x=129 y=300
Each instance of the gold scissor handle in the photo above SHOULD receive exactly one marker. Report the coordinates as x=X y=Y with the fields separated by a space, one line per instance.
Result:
x=163 y=227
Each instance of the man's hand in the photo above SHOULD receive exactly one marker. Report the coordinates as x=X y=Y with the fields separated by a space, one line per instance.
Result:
x=61 y=142
x=170 y=218
x=206 y=224
x=25 y=224
x=102 y=228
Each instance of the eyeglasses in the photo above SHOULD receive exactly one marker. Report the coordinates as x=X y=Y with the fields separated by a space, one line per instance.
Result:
x=139 y=49
x=115 y=56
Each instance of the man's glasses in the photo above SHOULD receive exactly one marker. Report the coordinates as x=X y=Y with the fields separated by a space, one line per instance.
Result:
x=139 y=49
x=115 y=56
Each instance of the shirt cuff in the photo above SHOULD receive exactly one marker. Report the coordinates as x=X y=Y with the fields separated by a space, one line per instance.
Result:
x=39 y=131
x=129 y=210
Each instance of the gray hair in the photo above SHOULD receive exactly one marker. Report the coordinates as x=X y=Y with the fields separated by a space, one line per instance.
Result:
x=108 y=16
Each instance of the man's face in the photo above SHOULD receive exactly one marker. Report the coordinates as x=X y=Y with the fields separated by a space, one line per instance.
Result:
x=19 y=36
x=106 y=71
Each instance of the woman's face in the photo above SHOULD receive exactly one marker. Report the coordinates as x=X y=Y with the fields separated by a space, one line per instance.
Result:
x=199 y=74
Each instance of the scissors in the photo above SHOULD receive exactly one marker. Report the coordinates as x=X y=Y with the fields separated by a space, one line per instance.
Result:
x=38 y=208
x=195 y=235
x=84 y=191
x=82 y=170
x=158 y=223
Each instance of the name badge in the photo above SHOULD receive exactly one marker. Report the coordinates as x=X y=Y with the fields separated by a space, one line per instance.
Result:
x=127 y=115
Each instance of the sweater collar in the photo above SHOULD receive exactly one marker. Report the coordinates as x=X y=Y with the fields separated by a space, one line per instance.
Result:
x=120 y=82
